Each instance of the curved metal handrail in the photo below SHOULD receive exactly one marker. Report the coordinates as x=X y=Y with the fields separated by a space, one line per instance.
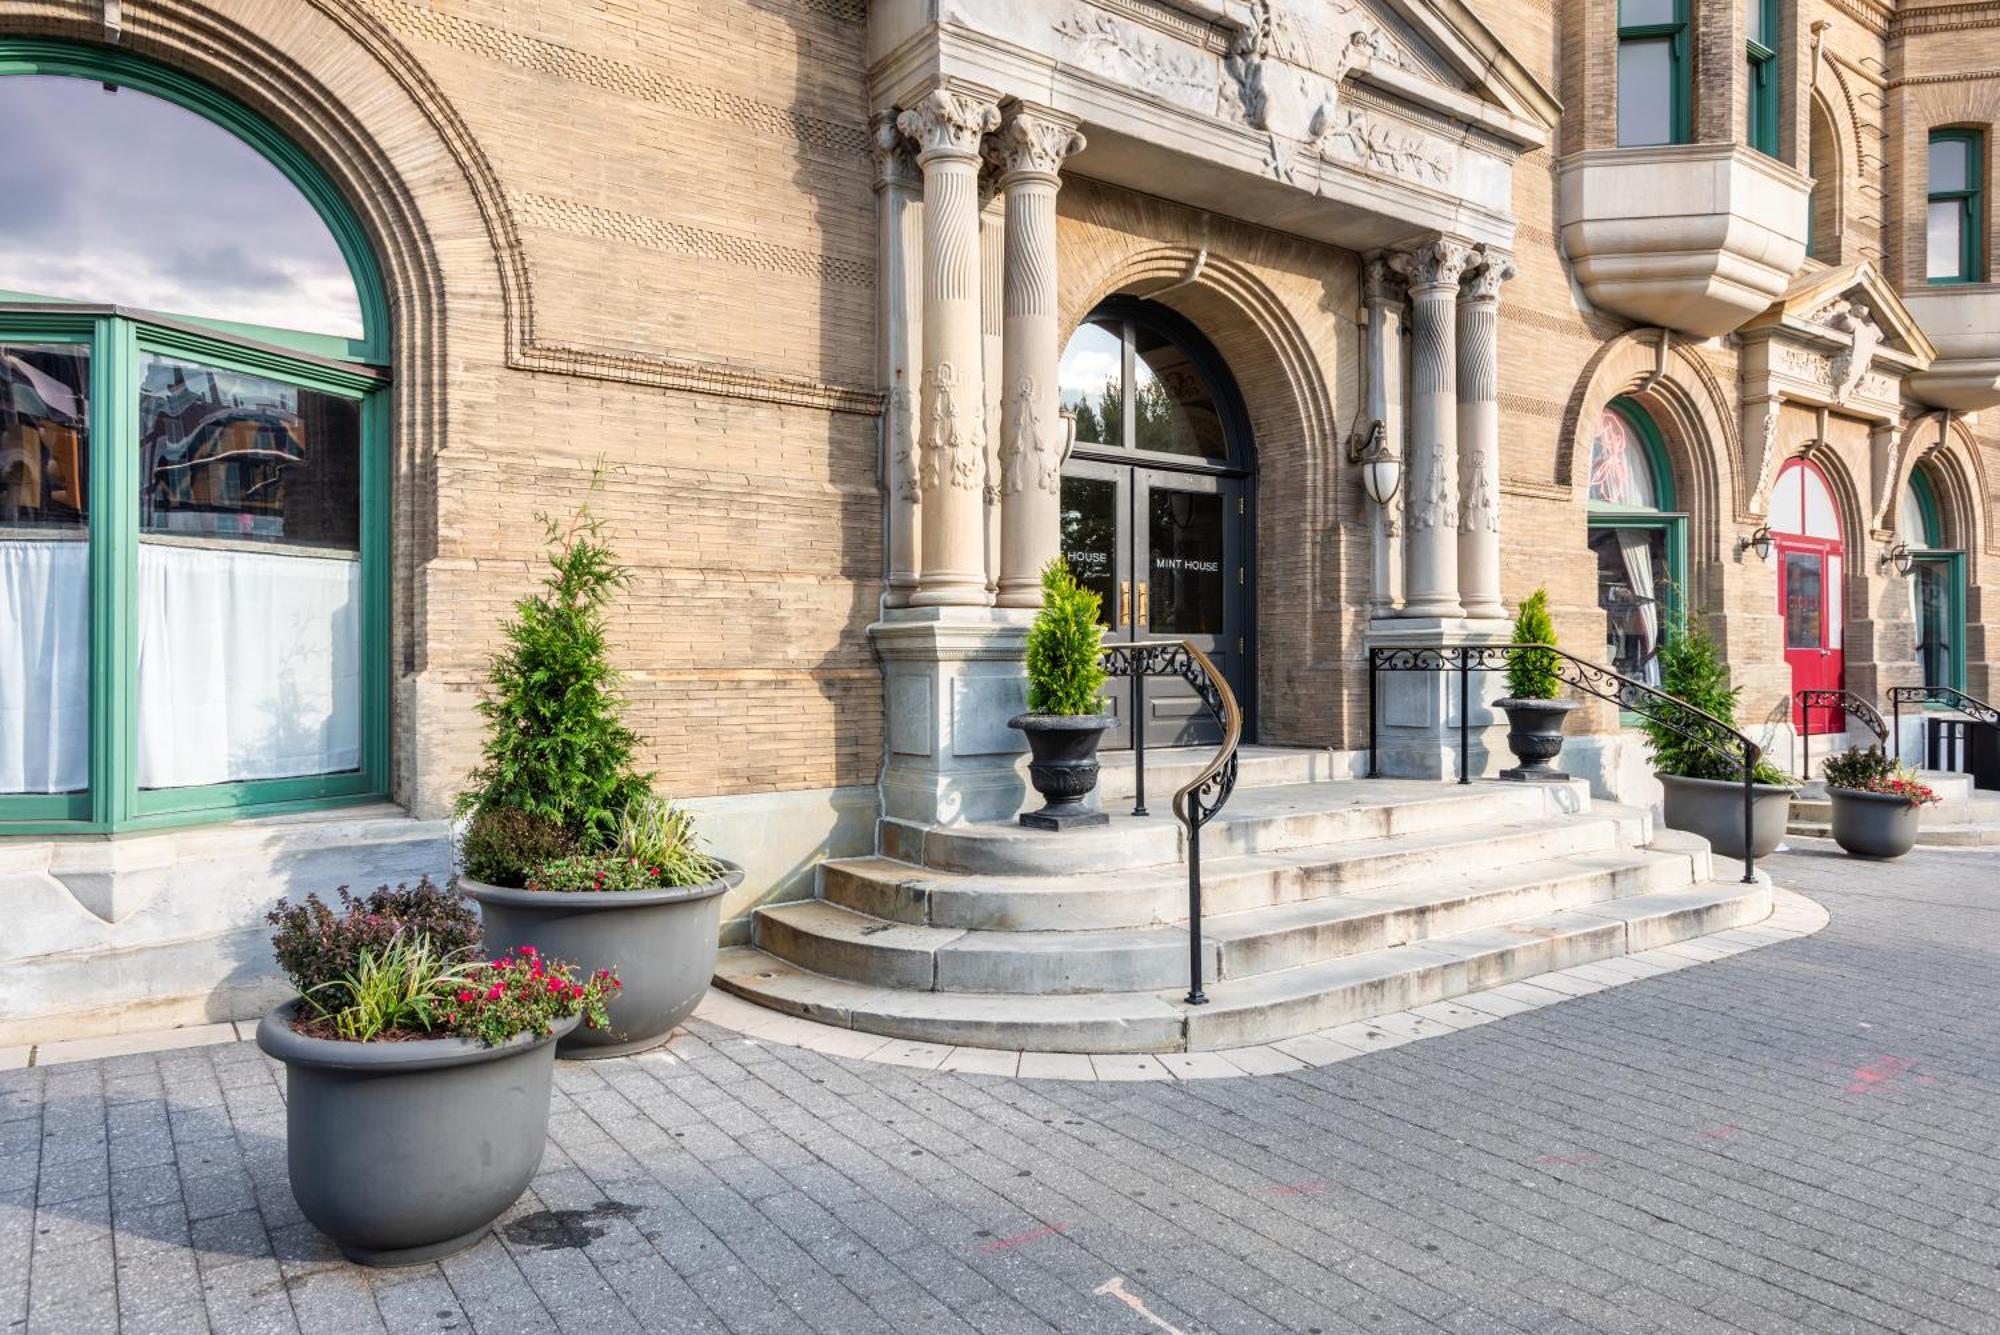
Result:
x=1197 y=801
x=1648 y=702
x=1950 y=696
x=1848 y=702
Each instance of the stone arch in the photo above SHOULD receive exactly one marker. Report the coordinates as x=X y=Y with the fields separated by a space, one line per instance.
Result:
x=1696 y=424
x=1956 y=471
x=332 y=78
x=1828 y=155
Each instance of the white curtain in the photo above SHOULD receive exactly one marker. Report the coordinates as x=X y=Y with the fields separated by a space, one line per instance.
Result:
x=249 y=665
x=1636 y=547
x=44 y=666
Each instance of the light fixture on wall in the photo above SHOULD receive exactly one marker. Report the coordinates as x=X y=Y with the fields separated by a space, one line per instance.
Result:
x=1897 y=556
x=1381 y=470
x=1759 y=542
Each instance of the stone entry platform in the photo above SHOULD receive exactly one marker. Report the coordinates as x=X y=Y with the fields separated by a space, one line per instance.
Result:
x=1968 y=817
x=1326 y=902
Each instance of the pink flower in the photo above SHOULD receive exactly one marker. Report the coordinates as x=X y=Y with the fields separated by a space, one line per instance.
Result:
x=495 y=992
x=529 y=951
x=465 y=995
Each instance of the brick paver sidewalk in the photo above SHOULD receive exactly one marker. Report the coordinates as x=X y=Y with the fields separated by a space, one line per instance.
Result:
x=1798 y=1138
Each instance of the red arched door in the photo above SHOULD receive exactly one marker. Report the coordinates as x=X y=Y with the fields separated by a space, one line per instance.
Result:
x=1805 y=529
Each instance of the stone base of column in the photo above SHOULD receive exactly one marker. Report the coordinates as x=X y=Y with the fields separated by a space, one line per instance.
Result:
x=1416 y=713
x=952 y=677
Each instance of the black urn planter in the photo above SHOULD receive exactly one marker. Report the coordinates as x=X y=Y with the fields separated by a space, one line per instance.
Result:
x=1535 y=736
x=1873 y=825
x=662 y=943
x=406 y=1152
x=1062 y=765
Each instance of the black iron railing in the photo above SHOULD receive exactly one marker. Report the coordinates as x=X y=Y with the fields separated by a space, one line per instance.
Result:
x=1849 y=704
x=1649 y=703
x=1198 y=800
x=1976 y=711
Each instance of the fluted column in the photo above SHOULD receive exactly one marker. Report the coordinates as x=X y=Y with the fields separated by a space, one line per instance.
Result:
x=1383 y=296
x=1031 y=148
x=992 y=266
x=900 y=240
x=1430 y=570
x=1479 y=435
x=947 y=126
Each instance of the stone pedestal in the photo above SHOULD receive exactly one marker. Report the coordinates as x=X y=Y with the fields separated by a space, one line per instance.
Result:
x=1416 y=713
x=953 y=676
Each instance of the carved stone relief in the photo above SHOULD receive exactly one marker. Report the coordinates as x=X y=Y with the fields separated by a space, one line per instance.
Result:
x=955 y=440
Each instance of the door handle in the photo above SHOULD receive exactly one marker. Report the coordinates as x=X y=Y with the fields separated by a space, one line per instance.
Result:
x=1146 y=605
x=1124 y=602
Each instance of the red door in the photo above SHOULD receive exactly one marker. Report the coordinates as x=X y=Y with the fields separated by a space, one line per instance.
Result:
x=1805 y=527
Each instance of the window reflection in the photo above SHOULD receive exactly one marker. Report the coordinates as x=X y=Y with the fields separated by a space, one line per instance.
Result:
x=1184 y=539
x=1172 y=410
x=1089 y=380
x=1089 y=539
x=1632 y=578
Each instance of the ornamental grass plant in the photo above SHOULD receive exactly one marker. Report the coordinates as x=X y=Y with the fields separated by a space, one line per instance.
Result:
x=1065 y=647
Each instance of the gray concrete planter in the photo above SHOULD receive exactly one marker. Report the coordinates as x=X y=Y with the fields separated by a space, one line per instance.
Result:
x=1713 y=809
x=1873 y=825
x=661 y=942
x=406 y=1152
x=1535 y=736
x=1062 y=765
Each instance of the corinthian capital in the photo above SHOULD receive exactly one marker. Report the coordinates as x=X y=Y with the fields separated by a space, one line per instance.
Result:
x=1032 y=141
x=1438 y=263
x=1379 y=282
x=949 y=124
x=895 y=156
x=1494 y=267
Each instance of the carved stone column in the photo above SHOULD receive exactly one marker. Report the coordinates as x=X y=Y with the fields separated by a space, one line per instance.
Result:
x=1479 y=436
x=992 y=271
x=1382 y=292
x=948 y=126
x=1430 y=574
x=899 y=230
x=1031 y=149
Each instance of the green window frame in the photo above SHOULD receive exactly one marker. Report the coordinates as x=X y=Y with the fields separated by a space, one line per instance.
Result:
x=119 y=339
x=1971 y=208
x=1640 y=26
x=1927 y=548
x=1761 y=55
x=1664 y=518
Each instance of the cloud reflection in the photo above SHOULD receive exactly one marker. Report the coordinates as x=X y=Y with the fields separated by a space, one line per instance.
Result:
x=124 y=197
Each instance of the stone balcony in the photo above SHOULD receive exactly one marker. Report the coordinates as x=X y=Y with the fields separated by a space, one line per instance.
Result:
x=1963 y=320
x=1697 y=238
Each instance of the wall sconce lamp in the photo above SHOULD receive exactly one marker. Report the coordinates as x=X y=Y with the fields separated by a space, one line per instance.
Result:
x=1759 y=542
x=1896 y=556
x=1381 y=470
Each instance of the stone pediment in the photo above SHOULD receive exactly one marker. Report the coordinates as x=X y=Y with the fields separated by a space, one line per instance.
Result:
x=1839 y=339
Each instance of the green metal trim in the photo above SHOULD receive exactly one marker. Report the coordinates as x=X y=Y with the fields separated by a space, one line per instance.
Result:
x=1971 y=200
x=1933 y=534
x=185 y=344
x=1660 y=466
x=1680 y=89
x=27 y=55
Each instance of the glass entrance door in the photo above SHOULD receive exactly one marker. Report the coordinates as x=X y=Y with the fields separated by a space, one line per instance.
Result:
x=1937 y=605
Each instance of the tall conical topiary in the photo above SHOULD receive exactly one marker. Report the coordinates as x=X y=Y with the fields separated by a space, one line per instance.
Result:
x=1065 y=647
x=556 y=745
x=1692 y=671
x=1532 y=675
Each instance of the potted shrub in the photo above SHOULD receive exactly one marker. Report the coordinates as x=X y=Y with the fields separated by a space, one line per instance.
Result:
x=1535 y=717
x=564 y=845
x=1704 y=788
x=416 y=1073
x=1063 y=723
x=1875 y=802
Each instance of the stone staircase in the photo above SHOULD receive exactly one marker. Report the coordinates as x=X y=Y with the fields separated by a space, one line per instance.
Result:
x=1326 y=901
x=1968 y=817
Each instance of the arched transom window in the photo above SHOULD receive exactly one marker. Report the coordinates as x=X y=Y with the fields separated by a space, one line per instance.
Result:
x=1636 y=536
x=192 y=494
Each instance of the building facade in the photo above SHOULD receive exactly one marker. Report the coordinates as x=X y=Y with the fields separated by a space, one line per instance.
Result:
x=846 y=317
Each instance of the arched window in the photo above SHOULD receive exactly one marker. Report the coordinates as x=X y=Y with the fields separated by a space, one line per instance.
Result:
x=1636 y=535
x=1937 y=585
x=193 y=499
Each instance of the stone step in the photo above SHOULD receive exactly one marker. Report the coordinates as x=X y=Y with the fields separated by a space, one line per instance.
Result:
x=829 y=939
x=1259 y=1009
x=1167 y=768
x=1980 y=810
x=1981 y=835
x=898 y=892
x=1254 y=821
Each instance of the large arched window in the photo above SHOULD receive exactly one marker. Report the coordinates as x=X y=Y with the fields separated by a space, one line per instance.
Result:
x=193 y=509
x=1637 y=536
x=1937 y=584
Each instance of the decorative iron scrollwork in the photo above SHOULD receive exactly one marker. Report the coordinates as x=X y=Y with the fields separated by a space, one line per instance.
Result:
x=1847 y=702
x=1950 y=697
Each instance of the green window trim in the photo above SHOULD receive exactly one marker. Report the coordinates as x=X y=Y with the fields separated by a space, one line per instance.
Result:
x=1761 y=123
x=1972 y=207
x=1954 y=564
x=1665 y=519
x=1680 y=82
x=118 y=339
x=1932 y=537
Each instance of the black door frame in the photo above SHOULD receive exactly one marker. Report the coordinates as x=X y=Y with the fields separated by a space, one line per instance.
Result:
x=1240 y=468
